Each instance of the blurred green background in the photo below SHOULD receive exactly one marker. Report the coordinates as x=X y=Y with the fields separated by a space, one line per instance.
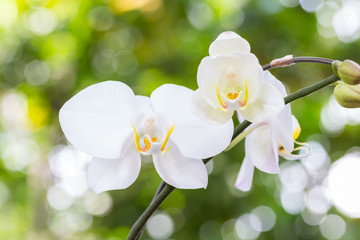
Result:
x=51 y=49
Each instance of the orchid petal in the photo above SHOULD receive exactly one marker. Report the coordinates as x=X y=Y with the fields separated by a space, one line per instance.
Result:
x=252 y=71
x=269 y=103
x=296 y=127
x=208 y=113
x=110 y=174
x=283 y=128
x=245 y=177
x=262 y=148
x=97 y=119
x=282 y=121
x=212 y=70
x=180 y=171
x=228 y=42
x=142 y=104
x=194 y=138
x=268 y=77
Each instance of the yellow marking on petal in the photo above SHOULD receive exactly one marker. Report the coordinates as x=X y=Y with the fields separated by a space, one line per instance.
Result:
x=136 y=137
x=222 y=109
x=138 y=150
x=167 y=137
x=153 y=139
x=137 y=142
x=219 y=97
x=296 y=132
x=246 y=92
x=166 y=150
x=244 y=104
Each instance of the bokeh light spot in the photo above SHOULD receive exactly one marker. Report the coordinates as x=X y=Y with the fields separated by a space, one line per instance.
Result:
x=37 y=72
x=41 y=21
x=267 y=217
x=246 y=226
x=311 y=5
x=333 y=227
x=8 y=13
x=343 y=181
x=160 y=226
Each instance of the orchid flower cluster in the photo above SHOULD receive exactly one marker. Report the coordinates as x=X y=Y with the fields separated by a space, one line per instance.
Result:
x=183 y=129
x=180 y=127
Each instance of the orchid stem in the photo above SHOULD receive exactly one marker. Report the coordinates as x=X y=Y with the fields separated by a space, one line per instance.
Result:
x=158 y=191
x=155 y=204
x=164 y=189
x=310 y=89
x=290 y=60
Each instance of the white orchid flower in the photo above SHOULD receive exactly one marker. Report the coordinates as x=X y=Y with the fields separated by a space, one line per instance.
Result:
x=232 y=79
x=268 y=140
x=109 y=122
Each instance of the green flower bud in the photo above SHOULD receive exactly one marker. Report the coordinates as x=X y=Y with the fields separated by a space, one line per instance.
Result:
x=349 y=72
x=347 y=95
x=335 y=66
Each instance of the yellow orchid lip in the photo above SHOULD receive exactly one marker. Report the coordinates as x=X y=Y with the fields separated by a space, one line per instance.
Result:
x=148 y=141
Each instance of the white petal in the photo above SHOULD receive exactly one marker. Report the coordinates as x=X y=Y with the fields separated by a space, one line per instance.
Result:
x=251 y=69
x=283 y=128
x=212 y=70
x=262 y=148
x=209 y=70
x=120 y=173
x=142 y=104
x=164 y=122
x=228 y=42
x=282 y=121
x=268 y=77
x=97 y=119
x=269 y=103
x=296 y=127
x=194 y=138
x=180 y=171
x=245 y=177
x=204 y=111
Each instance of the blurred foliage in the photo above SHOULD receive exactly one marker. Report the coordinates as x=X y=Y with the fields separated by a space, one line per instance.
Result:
x=51 y=49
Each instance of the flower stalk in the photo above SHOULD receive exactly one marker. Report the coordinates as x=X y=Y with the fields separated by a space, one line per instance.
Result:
x=155 y=204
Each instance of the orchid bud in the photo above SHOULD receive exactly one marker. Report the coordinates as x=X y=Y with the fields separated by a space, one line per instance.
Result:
x=347 y=95
x=349 y=72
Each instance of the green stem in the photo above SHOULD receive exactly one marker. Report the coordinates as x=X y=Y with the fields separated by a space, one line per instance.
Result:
x=310 y=89
x=158 y=191
x=165 y=190
x=155 y=204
